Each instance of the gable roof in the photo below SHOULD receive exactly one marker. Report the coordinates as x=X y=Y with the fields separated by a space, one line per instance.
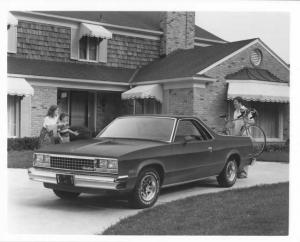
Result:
x=187 y=63
x=147 y=20
x=55 y=69
x=254 y=74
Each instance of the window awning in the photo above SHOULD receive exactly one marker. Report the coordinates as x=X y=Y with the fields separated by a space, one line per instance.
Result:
x=19 y=87
x=261 y=91
x=11 y=20
x=92 y=30
x=144 y=91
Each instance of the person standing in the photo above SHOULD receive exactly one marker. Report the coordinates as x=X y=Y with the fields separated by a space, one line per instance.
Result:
x=49 y=129
x=240 y=117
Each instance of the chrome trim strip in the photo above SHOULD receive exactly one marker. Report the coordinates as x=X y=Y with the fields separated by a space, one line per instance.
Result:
x=181 y=183
x=79 y=180
x=77 y=157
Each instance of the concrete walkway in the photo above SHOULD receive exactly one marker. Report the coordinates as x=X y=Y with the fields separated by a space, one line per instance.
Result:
x=33 y=209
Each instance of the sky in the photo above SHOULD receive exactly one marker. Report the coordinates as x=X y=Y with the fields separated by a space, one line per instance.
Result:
x=272 y=28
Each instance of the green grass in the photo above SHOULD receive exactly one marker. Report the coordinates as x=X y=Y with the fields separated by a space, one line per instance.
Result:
x=261 y=210
x=277 y=156
x=19 y=159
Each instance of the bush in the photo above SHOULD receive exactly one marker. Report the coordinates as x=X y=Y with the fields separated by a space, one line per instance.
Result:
x=277 y=147
x=25 y=143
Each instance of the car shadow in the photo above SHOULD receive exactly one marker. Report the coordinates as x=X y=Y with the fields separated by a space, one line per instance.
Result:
x=96 y=202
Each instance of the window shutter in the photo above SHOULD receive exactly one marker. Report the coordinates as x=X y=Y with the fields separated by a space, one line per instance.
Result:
x=12 y=39
x=74 y=43
x=103 y=51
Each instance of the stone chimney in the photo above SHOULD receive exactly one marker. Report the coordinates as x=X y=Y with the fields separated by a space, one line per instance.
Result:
x=179 y=31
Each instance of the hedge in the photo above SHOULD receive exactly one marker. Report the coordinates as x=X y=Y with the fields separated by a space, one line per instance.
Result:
x=25 y=143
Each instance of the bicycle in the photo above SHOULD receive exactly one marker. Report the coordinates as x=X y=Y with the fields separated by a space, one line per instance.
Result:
x=253 y=131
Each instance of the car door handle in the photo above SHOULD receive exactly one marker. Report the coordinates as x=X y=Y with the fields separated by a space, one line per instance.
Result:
x=210 y=148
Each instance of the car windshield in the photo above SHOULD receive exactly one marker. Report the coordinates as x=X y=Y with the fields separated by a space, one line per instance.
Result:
x=151 y=128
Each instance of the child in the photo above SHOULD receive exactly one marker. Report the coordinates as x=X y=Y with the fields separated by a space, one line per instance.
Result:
x=63 y=128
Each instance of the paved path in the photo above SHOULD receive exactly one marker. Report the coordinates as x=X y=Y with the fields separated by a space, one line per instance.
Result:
x=33 y=209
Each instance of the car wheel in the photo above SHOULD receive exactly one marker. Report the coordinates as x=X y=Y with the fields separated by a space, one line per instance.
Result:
x=146 y=190
x=228 y=175
x=66 y=195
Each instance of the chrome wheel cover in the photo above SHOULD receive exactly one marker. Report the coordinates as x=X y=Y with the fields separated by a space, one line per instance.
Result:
x=148 y=187
x=231 y=171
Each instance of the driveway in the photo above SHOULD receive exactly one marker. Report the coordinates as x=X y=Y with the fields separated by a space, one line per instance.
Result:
x=33 y=209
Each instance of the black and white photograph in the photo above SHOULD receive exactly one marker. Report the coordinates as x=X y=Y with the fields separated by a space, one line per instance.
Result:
x=149 y=121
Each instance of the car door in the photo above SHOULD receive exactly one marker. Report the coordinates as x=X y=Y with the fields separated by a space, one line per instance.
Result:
x=191 y=153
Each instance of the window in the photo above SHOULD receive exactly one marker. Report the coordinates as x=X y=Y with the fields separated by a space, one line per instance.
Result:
x=12 y=38
x=88 y=48
x=191 y=128
x=147 y=106
x=13 y=115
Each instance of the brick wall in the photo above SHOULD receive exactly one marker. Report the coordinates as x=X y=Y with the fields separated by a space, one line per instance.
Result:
x=215 y=95
x=42 y=99
x=49 y=42
x=179 y=31
x=178 y=101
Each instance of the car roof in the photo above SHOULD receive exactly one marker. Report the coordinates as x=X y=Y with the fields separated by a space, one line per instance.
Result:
x=160 y=115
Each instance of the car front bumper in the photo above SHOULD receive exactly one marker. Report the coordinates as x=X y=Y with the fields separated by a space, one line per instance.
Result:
x=80 y=180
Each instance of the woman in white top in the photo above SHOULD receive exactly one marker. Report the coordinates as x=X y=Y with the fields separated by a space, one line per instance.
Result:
x=49 y=129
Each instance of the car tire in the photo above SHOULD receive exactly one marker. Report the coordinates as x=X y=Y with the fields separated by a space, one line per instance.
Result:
x=146 y=190
x=66 y=195
x=228 y=175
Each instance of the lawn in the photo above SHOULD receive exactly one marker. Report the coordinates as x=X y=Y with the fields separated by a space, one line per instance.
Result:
x=19 y=159
x=261 y=210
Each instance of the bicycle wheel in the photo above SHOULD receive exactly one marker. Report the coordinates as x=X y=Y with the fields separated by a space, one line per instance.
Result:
x=258 y=139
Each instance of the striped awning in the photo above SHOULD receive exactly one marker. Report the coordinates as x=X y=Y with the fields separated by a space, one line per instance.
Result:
x=19 y=87
x=261 y=91
x=144 y=91
x=92 y=30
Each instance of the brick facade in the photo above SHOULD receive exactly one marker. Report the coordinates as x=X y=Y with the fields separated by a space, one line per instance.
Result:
x=51 y=42
x=212 y=101
x=178 y=101
x=179 y=31
x=42 y=99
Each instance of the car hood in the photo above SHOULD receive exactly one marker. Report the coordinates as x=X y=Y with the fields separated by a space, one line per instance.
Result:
x=100 y=147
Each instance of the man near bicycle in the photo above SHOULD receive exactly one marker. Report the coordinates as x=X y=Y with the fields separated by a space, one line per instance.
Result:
x=241 y=116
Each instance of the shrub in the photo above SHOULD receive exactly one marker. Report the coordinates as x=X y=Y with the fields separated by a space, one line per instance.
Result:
x=25 y=143
x=277 y=147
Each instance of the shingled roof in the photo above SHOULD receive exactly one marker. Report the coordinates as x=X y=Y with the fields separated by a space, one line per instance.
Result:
x=187 y=63
x=67 y=70
x=138 y=19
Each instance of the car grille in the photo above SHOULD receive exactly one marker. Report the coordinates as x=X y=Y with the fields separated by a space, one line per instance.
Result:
x=72 y=163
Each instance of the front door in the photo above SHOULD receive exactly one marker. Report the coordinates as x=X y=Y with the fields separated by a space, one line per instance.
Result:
x=79 y=109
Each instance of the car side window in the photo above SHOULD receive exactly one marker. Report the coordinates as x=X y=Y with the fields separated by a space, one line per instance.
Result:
x=187 y=128
x=203 y=131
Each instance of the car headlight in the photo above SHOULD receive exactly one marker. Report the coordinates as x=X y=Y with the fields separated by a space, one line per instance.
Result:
x=106 y=165
x=42 y=160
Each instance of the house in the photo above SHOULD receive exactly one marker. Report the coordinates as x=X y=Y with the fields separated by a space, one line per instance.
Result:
x=98 y=65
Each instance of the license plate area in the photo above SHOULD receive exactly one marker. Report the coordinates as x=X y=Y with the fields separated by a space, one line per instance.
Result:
x=63 y=179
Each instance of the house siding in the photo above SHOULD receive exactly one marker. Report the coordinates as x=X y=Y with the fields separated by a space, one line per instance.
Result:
x=51 y=42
